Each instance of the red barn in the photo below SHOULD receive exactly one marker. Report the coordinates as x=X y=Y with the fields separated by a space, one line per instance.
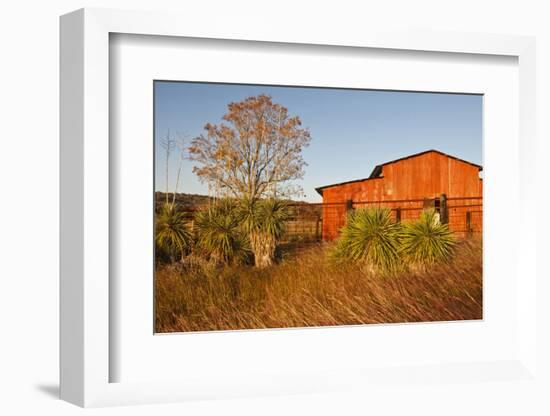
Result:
x=428 y=179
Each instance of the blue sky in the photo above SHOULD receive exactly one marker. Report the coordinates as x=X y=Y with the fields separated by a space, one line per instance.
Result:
x=351 y=130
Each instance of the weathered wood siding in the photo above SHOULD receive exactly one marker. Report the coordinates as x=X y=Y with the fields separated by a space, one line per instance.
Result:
x=427 y=175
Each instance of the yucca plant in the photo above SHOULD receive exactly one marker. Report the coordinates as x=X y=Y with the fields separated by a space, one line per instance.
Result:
x=427 y=241
x=220 y=235
x=172 y=232
x=264 y=221
x=371 y=238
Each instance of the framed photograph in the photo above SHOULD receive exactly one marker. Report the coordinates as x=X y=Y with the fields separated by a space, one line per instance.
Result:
x=245 y=238
x=281 y=213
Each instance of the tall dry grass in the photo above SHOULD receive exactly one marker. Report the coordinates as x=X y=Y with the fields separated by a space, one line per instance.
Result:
x=309 y=290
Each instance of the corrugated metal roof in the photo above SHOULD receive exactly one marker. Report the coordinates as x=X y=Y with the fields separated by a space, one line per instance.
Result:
x=377 y=171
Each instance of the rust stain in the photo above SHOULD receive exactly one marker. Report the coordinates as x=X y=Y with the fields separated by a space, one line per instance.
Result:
x=409 y=180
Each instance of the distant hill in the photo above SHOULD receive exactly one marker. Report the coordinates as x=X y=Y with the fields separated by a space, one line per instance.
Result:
x=189 y=202
x=192 y=202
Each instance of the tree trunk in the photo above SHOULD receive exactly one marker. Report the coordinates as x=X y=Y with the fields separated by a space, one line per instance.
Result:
x=263 y=246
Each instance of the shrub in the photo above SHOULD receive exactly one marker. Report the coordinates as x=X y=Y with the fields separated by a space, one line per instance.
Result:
x=220 y=235
x=264 y=221
x=173 y=236
x=427 y=241
x=370 y=237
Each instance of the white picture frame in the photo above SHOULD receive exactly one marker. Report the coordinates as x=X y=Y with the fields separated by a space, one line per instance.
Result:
x=85 y=220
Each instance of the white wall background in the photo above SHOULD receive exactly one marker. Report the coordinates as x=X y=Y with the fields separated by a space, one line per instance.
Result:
x=29 y=206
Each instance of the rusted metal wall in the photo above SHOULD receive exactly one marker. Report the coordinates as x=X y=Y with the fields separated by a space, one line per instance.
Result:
x=404 y=184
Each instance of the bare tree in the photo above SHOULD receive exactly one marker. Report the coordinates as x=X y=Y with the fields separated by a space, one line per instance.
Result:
x=255 y=153
x=169 y=144
x=180 y=145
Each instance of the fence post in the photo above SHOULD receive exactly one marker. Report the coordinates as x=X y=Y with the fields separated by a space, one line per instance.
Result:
x=398 y=214
x=469 y=222
x=443 y=211
x=317 y=236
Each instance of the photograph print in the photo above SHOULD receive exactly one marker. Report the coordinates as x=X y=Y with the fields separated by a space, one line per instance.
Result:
x=295 y=207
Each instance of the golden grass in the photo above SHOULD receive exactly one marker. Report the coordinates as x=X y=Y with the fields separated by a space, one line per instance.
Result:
x=308 y=290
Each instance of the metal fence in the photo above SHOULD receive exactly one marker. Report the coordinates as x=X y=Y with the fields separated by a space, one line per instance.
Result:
x=313 y=222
